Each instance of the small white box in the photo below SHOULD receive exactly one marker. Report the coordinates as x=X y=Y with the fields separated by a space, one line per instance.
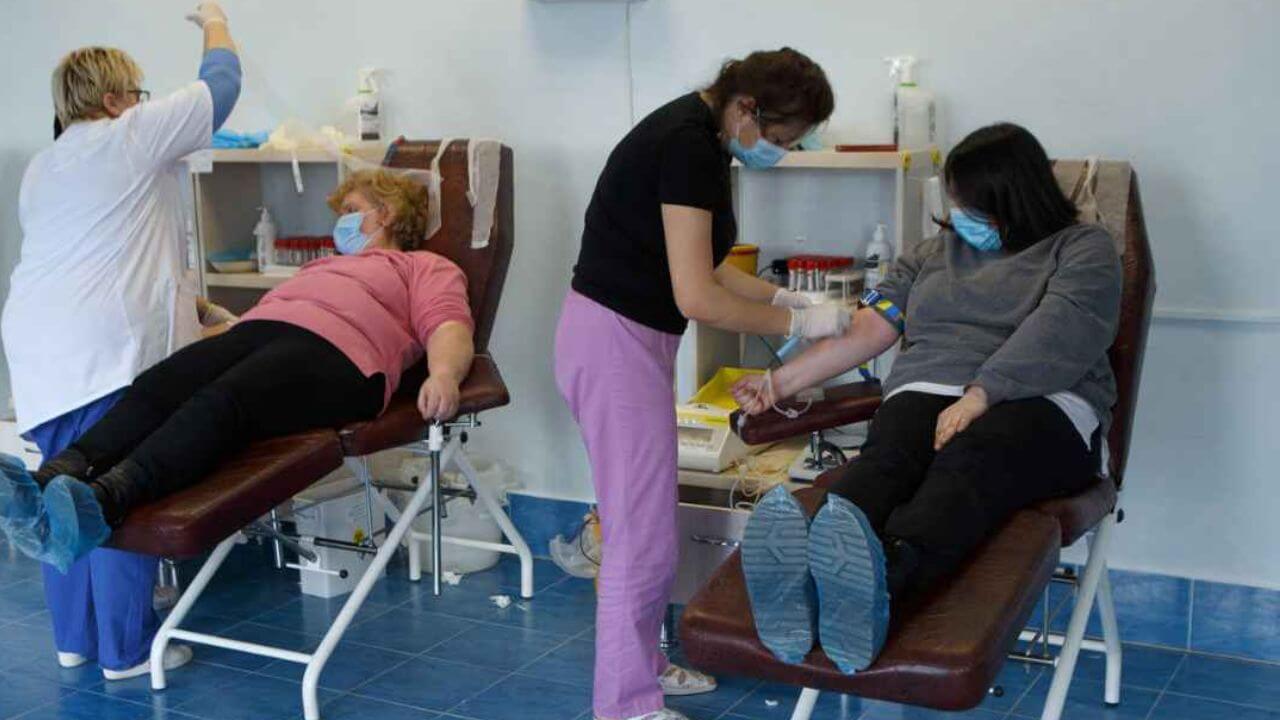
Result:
x=335 y=509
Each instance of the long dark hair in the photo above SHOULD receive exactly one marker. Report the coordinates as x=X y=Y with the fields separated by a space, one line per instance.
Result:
x=786 y=84
x=1002 y=172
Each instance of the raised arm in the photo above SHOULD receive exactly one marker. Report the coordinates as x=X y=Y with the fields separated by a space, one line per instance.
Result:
x=182 y=122
x=220 y=68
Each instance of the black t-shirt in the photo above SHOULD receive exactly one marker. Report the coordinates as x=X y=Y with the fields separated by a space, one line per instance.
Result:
x=671 y=157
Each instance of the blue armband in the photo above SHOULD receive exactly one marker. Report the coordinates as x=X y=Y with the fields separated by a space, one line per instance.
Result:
x=220 y=70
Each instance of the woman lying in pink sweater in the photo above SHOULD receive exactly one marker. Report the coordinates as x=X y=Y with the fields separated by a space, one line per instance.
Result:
x=325 y=348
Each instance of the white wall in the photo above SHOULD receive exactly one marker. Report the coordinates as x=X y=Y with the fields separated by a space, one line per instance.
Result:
x=1182 y=88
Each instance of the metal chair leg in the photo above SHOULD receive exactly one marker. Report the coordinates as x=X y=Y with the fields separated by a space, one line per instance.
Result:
x=1110 y=636
x=516 y=543
x=185 y=603
x=435 y=443
x=804 y=705
x=1070 y=653
x=667 y=640
x=315 y=666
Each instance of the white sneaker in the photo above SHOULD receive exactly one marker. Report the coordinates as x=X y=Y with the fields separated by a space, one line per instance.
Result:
x=71 y=660
x=175 y=656
x=663 y=714
x=676 y=680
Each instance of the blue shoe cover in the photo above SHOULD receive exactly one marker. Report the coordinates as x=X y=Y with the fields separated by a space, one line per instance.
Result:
x=776 y=568
x=847 y=562
x=70 y=525
x=20 y=500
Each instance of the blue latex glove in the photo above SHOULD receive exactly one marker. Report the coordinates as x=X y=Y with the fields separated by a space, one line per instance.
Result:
x=232 y=139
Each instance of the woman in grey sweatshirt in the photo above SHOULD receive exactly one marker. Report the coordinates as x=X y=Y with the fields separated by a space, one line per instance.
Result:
x=998 y=399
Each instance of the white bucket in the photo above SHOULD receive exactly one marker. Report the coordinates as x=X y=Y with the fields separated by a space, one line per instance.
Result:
x=465 y=519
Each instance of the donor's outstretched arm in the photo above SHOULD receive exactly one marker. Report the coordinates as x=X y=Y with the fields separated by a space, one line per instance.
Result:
x=869 y=335
x=449 y=353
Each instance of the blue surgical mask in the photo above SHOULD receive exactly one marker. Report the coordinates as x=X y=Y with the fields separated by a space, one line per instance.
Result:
x=760 y=156
x=982 y=235
x=347 y=236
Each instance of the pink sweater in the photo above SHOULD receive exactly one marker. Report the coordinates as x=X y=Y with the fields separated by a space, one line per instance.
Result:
x=379 y=307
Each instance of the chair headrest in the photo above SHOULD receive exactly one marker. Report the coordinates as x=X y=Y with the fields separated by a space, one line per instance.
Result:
x=1108 y=192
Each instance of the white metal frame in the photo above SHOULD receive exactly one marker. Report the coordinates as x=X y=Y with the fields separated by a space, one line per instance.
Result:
x=442 y=452
x=484 y=494
x=1093 y=585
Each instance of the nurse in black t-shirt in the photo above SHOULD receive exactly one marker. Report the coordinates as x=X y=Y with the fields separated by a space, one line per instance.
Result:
x=659 y=225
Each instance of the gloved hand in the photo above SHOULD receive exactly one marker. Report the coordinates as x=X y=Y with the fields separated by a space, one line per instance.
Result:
x=790 y=299
x=207 y=12
x=820 y=321
x=213 y=314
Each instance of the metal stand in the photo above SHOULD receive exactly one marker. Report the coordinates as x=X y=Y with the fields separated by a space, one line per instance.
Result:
x=485 y=495
x=315 y=661
x=667 y=640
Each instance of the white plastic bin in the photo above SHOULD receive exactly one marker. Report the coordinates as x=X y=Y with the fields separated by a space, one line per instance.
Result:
x=465 y=519
x=334 y=508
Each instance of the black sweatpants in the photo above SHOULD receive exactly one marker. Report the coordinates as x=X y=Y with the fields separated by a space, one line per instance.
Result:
x=944 y=504
x=260 y=379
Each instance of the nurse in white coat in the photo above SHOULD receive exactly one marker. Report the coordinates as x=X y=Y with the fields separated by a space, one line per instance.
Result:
x=100 y=294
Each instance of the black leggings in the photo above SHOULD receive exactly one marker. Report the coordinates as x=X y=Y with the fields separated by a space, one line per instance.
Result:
x=944 y=504
x=260 y=379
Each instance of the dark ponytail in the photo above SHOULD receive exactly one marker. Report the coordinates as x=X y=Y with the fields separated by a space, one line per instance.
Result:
x=786 y=84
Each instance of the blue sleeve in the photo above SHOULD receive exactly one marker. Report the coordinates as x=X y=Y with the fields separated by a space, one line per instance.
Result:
x=220 y=70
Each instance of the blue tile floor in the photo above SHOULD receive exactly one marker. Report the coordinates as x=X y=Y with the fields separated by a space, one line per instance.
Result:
x=411 y=655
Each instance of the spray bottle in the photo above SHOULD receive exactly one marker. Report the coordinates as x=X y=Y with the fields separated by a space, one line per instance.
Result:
x=879 y=255
x=265 y=233
x=914 y=116
x=369 y=121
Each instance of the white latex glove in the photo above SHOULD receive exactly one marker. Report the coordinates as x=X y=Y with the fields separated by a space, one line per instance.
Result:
x=207 y=12
x=215 y=314
x=790 y=299
x=820 y=321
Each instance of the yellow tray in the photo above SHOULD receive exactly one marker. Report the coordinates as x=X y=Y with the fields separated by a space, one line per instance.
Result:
x=714 y=403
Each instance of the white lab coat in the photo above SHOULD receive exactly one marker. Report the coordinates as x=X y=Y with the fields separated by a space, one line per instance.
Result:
x=100 y=292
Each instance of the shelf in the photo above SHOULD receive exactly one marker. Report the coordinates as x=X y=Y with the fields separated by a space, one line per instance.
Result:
x=366 y=151
x=835 y=160
x=252 y=281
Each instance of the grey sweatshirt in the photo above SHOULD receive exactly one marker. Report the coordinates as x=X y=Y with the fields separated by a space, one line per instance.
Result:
x=1020 y=325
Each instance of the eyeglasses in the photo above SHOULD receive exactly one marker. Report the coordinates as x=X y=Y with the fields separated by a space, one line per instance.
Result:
x=762 y=119
x=142 y=95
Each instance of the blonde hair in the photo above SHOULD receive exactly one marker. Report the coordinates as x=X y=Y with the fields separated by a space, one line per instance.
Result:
x=84 y=76
x=405 y=198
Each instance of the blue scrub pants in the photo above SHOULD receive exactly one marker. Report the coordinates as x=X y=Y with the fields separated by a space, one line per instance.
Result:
x=102 y=607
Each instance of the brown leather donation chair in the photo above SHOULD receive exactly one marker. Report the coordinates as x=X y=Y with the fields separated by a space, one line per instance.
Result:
x=945 y=649
x=214 y=513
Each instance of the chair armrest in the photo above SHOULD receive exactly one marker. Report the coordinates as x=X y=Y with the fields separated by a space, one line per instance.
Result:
x=840 y=405
x=401 y=423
